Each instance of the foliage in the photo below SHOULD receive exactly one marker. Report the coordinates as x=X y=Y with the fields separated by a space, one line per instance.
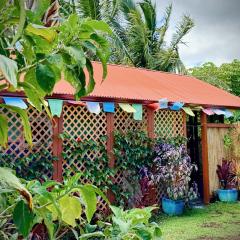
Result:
x=82 y=151
x=227 y=76
x=38 y=46
x=226 y=174
x=35 y=165
x=174 y=168
x=59 y=207
x=139 y=35
x=133 y=224
x=132 y=151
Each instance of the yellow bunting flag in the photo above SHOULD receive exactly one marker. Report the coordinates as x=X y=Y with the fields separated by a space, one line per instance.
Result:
x=188 y=111
x=127 y=107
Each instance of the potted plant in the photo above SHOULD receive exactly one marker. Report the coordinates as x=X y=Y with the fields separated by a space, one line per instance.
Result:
x=227 y=181
x=174 y=168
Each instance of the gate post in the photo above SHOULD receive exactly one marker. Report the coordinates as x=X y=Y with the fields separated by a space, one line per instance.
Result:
x=205 y=167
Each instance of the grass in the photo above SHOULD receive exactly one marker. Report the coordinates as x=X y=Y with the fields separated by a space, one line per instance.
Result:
x=216 y=221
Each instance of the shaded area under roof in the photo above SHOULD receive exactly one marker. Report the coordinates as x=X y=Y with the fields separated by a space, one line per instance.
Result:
x=134 y=84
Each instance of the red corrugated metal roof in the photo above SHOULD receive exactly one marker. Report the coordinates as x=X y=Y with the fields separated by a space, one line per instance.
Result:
x=129 y=83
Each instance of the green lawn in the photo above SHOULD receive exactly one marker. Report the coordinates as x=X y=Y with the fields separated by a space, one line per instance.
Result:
x=216 y=221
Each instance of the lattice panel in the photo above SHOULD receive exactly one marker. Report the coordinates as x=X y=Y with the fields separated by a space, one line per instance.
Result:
x=79 y=122
x=168 y=123
x=161 y=192
x=124 y=121
x=41 y=134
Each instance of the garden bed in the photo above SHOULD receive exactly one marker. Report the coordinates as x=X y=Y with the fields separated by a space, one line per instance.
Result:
x=216 y=221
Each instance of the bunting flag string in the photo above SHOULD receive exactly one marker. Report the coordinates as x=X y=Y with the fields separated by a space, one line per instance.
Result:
x=93 y=107
x=127 y=107
x=109 y=107
x=177 y=106
x=139 y=112
x=15 y=101
x=77 y=103
x=188 y=111
x=163 y=103
x=55 y=106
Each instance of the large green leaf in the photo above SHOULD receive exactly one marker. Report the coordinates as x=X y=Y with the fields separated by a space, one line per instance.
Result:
x=9 y=69
x=45 y=77
x=99 y=25
x=3 y=131
x=90 y=200
x=23 y=218
x=46 y=33
x=25 y=122
x=91 y=83
x=77 y=54
x=71 y=209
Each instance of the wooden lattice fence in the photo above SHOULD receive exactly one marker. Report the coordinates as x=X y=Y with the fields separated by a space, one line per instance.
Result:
x=77 y=121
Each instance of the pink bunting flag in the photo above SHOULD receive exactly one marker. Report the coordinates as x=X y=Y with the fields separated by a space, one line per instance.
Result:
x=208 y=111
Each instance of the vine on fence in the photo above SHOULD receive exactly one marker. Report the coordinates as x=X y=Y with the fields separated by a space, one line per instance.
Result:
x=36 y=165
x=92 y=155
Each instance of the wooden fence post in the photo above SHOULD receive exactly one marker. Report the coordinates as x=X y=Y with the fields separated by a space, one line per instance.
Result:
x=57 y=147
x=110 y=142
x=205 y=167
x=150 y=122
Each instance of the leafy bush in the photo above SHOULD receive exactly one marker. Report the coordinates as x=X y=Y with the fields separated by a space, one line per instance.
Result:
x=174 y=168
x=57 y=208
x=35 y=165
x=133 y=224
x=133 y=152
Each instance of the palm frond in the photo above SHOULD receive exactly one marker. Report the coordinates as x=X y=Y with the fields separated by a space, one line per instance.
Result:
x=182 y=29
x=163 y=29
x=89 y=8
x=149 y=13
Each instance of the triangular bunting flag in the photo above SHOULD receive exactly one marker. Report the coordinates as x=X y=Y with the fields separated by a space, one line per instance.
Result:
x=15 y=101
x=127 y=107
x=93 y=107
x=55 y=106
x=109 y=107
x=188 y=111
x=139 y=111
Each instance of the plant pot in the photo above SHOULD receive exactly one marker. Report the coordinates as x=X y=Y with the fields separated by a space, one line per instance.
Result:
x=173 y=207
x=228 y=195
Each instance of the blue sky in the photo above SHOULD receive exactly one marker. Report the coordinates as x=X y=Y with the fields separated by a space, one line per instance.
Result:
x=216 y=35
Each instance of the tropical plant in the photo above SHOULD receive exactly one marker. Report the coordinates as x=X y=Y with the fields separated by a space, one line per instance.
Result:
x=54 y=208
x=133 y=224
x=138 y=38
x=36 y=165
x=38 y=46
x=226 y=174
x=174 y=168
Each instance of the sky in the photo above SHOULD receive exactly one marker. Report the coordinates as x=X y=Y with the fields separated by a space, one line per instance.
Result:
x=216 y=35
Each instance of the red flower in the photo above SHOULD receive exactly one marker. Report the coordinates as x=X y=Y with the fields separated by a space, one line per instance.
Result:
x=79 y=139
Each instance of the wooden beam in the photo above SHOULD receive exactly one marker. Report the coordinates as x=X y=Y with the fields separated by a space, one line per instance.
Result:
x=205 y=166
x=57 y=147
x=150 y=122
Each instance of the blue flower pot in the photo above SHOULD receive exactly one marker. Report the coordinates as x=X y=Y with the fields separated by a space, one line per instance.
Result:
x=228 y=195
x=172 y=207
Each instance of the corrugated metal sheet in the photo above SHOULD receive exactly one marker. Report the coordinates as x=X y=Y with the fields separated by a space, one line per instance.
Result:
x=130 y=83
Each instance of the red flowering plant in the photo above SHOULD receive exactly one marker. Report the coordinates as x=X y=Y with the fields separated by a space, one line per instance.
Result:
x=174 y=169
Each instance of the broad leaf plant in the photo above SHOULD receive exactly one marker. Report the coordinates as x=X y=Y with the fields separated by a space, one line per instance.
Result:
x=38 y=47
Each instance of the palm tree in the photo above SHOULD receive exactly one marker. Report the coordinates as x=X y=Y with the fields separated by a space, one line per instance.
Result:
x=137 y=38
